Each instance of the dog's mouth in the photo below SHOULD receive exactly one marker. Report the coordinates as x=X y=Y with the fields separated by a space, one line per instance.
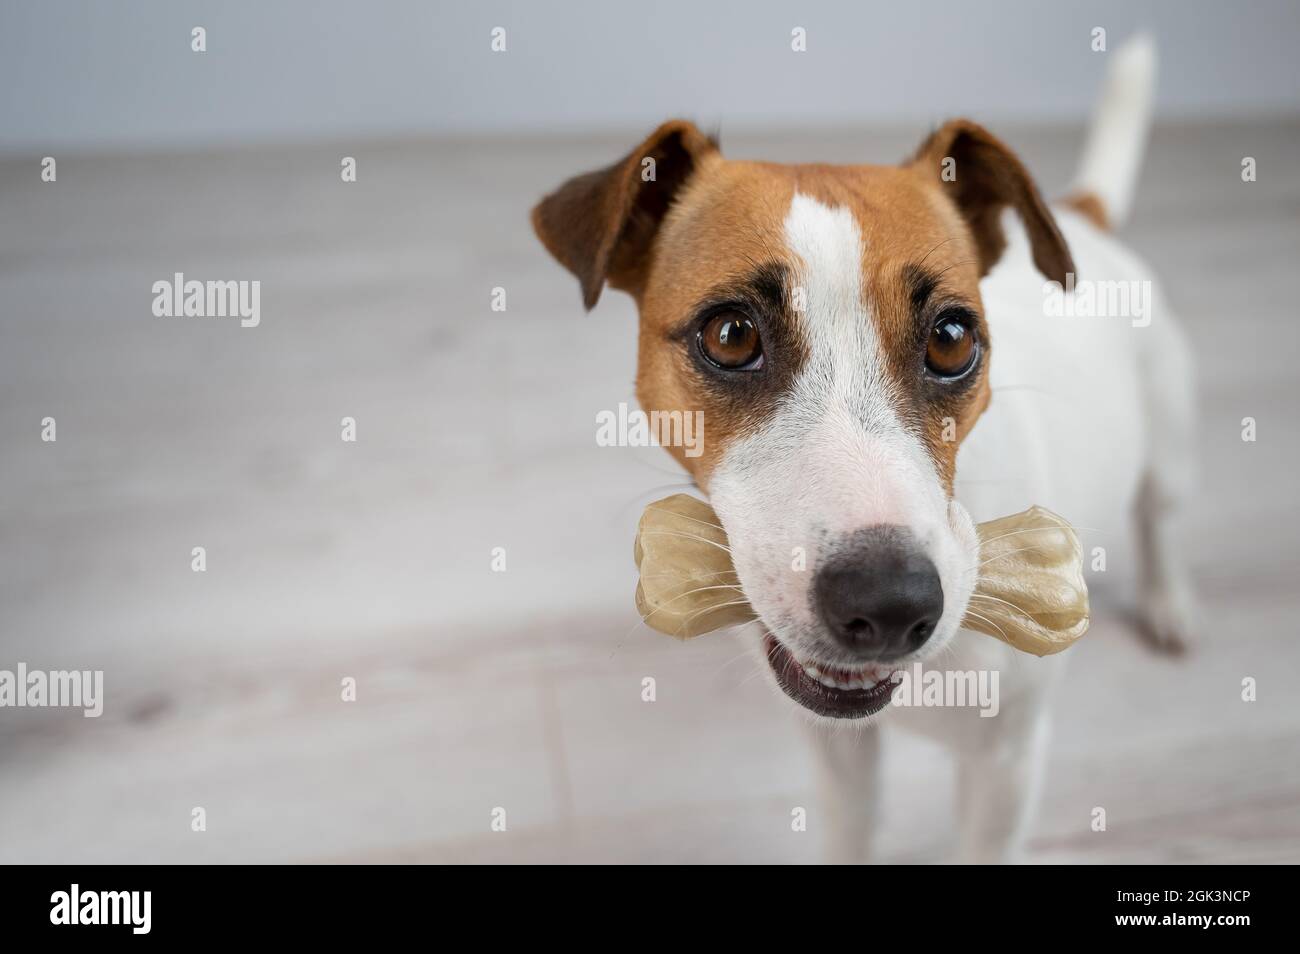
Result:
x=834 y=692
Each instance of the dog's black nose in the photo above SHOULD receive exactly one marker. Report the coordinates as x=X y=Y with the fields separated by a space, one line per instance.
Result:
x=880 y=597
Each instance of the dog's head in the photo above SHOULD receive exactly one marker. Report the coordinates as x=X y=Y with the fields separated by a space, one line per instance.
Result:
x=827 y=321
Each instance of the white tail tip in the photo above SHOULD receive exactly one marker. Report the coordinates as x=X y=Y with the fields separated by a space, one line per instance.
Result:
x=1117 y=138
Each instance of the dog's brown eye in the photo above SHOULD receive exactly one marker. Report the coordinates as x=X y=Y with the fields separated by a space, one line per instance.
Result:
x=951 y=348
x=730 y=340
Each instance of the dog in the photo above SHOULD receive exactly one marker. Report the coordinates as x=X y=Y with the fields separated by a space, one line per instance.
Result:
x=876 y=356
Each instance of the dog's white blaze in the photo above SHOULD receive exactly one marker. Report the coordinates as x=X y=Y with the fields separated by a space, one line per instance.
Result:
x=842 y=397
x=842 y=339
x=834 y=457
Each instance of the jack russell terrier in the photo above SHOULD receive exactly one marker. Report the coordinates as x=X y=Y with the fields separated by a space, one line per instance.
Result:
x=882 y=360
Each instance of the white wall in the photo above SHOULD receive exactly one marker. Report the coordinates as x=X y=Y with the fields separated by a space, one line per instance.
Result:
x=90 y=73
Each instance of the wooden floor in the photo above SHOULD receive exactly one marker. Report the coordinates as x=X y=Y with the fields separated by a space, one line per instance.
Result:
x=521 y=690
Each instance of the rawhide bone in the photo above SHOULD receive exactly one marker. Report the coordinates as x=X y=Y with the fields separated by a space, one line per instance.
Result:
x=1030 y=594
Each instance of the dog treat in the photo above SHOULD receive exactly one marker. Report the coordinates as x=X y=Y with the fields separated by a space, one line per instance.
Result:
x=1030 y=594
x=688 y=586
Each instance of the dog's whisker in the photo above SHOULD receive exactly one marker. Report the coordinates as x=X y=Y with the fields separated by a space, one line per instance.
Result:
x=682 y=516
x=933 y=250
x=1012 y=533
x=983 y=618
x=969 y=261
x=644 y=620
x=698 y=589
x=710 y=609
x=743 y=654
x=657 y=490
x=688 y=536
x=641 y=622
x=1007 y=554
x=995 y=599
x=677 y=576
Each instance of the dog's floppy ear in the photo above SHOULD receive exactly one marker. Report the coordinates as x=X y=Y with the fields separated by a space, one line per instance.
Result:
x=983 y=178
x=600 y=226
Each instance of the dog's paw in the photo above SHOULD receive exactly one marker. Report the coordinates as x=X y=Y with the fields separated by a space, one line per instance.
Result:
x=1165 y=620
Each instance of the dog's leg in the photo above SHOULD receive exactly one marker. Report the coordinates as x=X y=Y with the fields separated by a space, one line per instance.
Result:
x=848 y=789
x=1166 y=609
x=999 y=779
x=1165 y=603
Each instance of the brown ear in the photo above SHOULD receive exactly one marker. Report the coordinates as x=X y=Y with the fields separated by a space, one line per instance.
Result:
x=601 y=225
x=983 y=179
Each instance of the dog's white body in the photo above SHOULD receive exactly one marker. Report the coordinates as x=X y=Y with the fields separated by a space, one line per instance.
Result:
x=1090 y=416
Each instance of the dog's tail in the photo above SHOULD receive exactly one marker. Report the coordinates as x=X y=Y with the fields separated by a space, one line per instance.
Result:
x=1103 y=190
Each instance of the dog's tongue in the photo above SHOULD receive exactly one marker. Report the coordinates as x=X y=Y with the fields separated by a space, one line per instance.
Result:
x=1030 y=594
